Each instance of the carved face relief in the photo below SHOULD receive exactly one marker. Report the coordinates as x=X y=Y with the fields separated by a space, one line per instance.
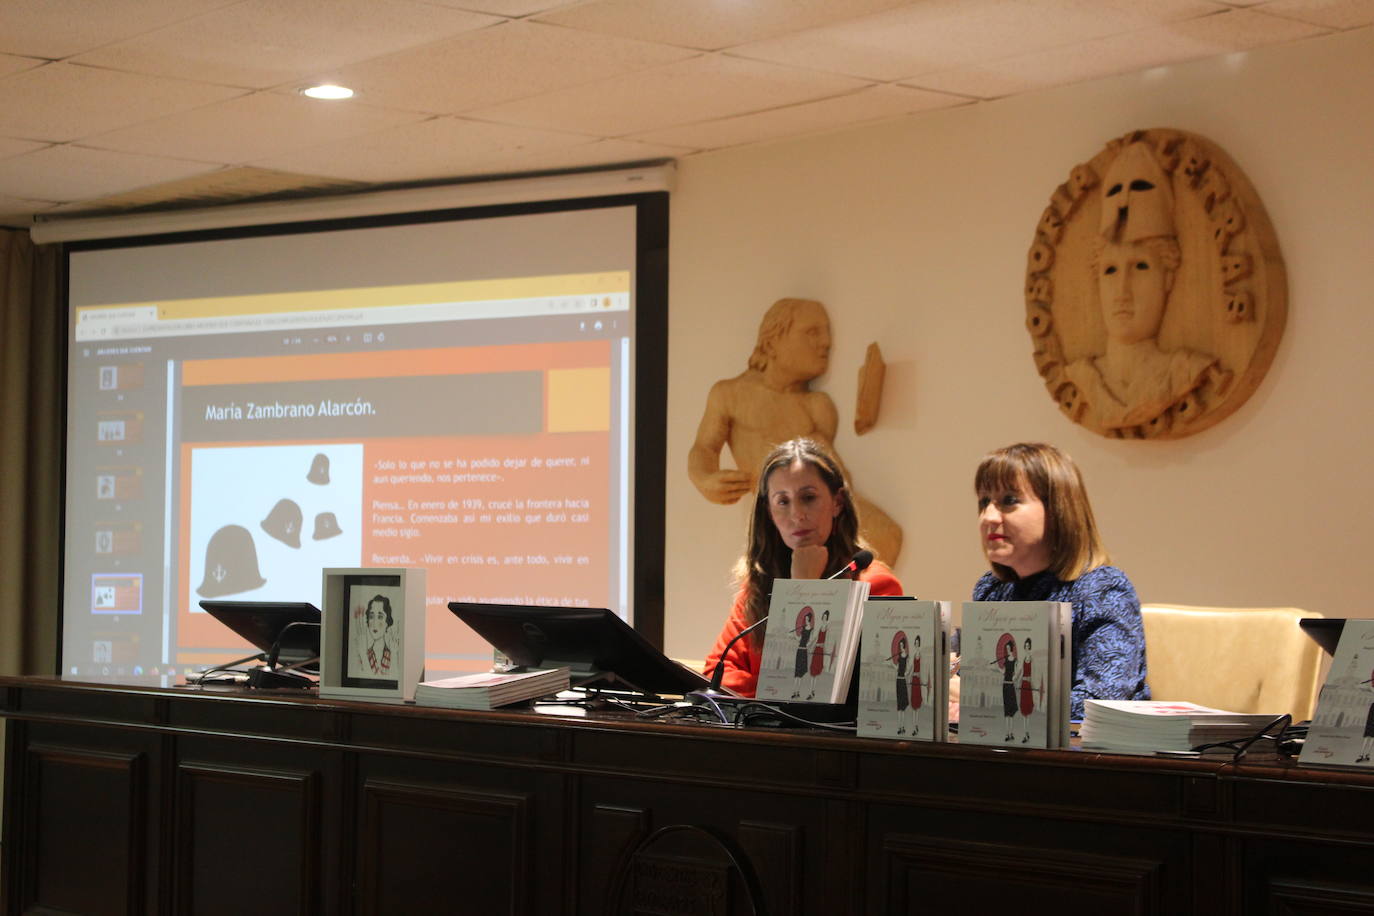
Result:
x=1155 y=298
x=1137 y=198
x=804 y=351
x=1133 y=288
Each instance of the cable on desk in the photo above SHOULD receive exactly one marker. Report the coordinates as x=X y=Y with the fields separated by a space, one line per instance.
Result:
x=1239 y=746
x=758 y=713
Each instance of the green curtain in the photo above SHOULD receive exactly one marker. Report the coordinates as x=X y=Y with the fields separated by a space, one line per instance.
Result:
x=31 y=338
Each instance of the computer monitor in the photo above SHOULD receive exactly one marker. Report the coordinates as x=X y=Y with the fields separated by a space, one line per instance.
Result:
x=1324 y=631
x=596 y=646
x=287 y=634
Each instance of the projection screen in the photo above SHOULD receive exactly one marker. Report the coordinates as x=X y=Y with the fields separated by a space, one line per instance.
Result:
x=477 y=392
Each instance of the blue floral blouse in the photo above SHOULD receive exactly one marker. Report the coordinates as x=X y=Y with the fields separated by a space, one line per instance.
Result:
x=1108 y=635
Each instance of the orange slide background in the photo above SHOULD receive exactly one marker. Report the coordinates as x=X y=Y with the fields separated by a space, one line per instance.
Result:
x=474 y=549
x=396 y=363
x=558 y=559
x=477 y=548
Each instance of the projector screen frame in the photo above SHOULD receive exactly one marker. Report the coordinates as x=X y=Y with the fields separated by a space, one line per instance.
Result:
x=650 y=359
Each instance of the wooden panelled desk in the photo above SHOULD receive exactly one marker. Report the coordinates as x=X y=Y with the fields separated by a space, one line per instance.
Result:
x=141 y=800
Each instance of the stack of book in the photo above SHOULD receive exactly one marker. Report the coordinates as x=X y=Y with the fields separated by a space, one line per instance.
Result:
x=491 y=690
x=1147 y=726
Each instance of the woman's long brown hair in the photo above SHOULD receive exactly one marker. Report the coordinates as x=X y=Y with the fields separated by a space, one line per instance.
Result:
x=767 y=556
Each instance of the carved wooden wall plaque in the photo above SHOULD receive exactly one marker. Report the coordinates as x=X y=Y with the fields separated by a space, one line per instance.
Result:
x=1155 y=292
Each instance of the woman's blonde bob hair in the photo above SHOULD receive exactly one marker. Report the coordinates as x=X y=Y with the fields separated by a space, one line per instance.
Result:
x=1070 y=529
x=767 y=557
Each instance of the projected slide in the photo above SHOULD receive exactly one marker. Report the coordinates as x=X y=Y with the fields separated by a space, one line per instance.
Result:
x=231 y=446
x=513 y=511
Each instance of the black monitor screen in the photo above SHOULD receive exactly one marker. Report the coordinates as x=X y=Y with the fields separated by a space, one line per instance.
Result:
x=593 y=643
x=268 y=625
x=1325 y=631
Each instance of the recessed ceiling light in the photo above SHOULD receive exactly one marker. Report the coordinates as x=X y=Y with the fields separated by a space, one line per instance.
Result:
x=328 y=91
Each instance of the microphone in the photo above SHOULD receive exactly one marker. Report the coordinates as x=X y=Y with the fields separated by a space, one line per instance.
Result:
x=858 y=564
x=718 y=673
x=861 y=561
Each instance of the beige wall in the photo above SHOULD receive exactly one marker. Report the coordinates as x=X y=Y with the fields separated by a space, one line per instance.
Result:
x=914 y=233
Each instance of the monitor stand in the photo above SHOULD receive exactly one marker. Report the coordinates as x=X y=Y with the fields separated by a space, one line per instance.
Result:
x=267 y=676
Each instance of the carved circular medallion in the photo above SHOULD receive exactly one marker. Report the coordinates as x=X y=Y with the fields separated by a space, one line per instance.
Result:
x=1155 y=292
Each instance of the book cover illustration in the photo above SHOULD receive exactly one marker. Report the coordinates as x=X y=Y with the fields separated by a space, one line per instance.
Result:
x=1342 y=730
x=1011 y=691
x=810 y=627
x=904 y=673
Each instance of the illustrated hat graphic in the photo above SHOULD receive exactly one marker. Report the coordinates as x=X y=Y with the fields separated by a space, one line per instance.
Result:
x=284 y=522
x=319 y=470
x=231 y=563
x=326 y=526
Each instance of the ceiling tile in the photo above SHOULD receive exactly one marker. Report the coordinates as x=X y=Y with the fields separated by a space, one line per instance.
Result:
x=60 y=28
x=505 y=7
x=10 y=64
x=865 y=105
x=1335 y=14
x=250 y=127
x=946 y=34
x=262 y=43
x=700 y=89
x=437 y=148
x=499 y=64
x=61 y=102
x=710 y=25
x=1241 y=30
x=1071 y=63
x=599 y=152
x=227 y=185
x=570 y=82
x=10 y=147
x=18 y=212
x=1148 y=48
x=993 y=81
x=70 y=173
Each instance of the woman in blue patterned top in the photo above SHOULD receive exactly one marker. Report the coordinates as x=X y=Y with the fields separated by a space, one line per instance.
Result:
x=1040 y=538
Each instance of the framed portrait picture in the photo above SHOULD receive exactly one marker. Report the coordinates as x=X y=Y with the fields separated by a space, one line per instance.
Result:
x=373 y=638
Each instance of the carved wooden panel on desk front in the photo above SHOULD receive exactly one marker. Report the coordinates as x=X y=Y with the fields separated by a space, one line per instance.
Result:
x=233 y=821
x=443 y=848
x=87 y=810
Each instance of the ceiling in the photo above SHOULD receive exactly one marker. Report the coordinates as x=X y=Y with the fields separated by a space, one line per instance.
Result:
x=110 y=106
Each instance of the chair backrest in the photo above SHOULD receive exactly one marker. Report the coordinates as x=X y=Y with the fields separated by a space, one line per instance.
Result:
x=1241 y=659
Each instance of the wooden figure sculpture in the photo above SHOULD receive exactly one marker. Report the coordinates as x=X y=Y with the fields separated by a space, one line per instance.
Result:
x=1155 y=294
x=771 y=402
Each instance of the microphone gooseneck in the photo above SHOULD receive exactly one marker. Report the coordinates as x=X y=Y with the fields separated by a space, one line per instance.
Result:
x=856 y=565
x=860 y=561
x=718 y=673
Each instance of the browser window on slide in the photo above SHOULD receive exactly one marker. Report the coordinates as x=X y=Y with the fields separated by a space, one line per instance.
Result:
x=232 y=447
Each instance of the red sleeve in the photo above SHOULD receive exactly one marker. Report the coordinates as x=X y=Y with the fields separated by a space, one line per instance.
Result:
x=742 y=662
x=881 y=581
